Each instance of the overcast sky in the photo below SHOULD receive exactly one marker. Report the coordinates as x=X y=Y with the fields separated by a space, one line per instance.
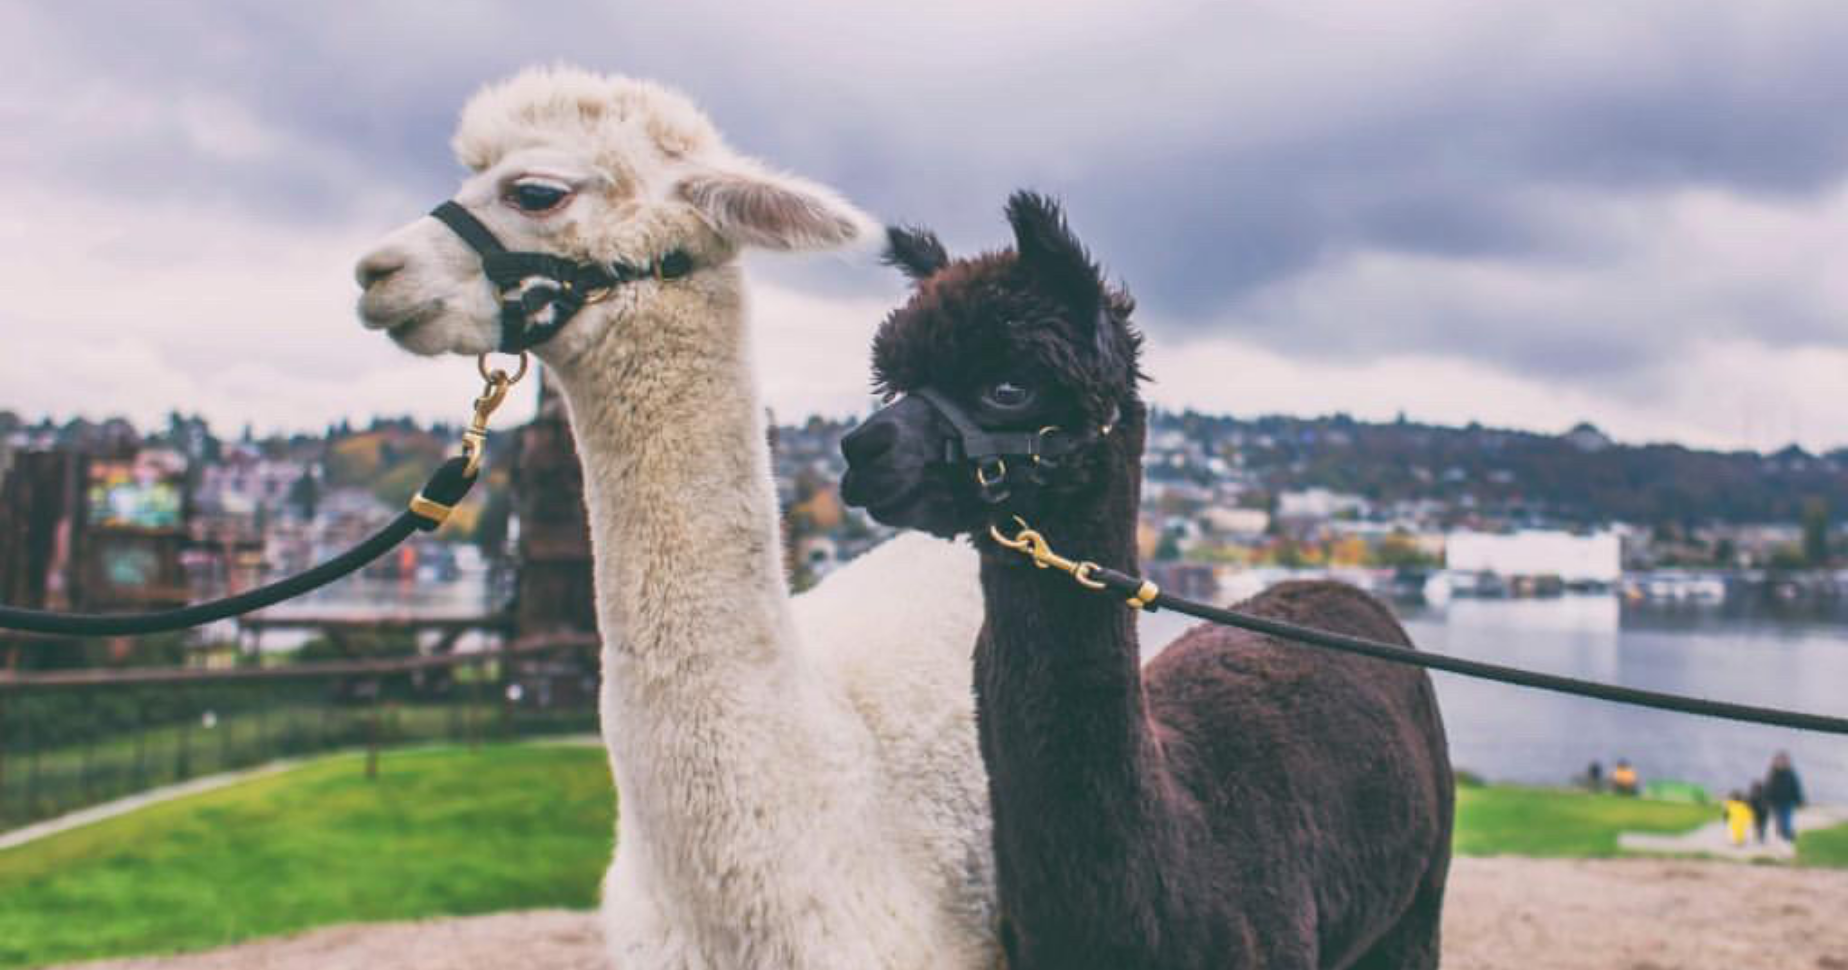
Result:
x=1525 y=213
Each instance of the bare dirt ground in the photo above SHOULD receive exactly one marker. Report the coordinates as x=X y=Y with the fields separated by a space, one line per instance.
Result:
x=1502 y=914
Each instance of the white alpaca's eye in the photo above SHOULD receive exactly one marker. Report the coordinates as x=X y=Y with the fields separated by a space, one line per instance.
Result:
x=537 y=195
x=1008 y=396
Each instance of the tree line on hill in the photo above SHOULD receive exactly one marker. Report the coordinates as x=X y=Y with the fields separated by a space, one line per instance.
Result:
x=1580 y=477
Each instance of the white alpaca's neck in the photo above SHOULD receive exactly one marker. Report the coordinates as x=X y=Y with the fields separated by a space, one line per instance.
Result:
x=705 y=690
x=677 y=482
x=682 y=507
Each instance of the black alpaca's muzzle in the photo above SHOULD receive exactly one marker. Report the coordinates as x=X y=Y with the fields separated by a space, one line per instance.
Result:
x=1035 y=454
x=926 y=440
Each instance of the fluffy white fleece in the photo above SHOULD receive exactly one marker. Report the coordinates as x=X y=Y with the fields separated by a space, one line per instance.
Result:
x=800 y=785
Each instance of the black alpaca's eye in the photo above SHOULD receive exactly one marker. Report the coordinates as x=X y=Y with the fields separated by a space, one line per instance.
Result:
x=1008 y=396
x=537 y=195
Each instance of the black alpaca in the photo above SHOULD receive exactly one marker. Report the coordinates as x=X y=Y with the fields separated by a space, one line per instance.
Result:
x=1239 y=803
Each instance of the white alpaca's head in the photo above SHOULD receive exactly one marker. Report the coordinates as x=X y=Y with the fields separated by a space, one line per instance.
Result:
x=596 y=169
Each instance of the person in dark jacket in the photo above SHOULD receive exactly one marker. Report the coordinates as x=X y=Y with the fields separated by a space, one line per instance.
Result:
x=1784 y=791
x=1761 y=810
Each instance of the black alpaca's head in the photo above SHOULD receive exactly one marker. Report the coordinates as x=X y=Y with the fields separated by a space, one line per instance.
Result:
x=1028 y=349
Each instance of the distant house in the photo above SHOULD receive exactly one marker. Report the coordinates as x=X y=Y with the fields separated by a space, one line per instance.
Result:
x=1534 y=553
x=1237 y=522
x=1318 y=504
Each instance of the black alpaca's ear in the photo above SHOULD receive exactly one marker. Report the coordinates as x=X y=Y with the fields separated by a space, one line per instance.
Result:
x=916 y=252
x=1048 y=249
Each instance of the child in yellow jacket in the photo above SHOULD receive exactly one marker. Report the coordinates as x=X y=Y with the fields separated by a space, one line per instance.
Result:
x=1738 y=815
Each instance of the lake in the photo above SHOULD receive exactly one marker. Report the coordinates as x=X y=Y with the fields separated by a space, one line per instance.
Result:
x=1507 y=733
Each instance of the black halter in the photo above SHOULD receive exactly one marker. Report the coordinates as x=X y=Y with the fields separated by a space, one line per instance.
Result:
x=1035 y=453
x=539 y=292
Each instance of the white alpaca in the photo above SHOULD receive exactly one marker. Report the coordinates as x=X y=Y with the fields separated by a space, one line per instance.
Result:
x=799 y=780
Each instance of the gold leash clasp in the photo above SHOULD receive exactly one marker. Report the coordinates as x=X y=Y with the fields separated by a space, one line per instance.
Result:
x=1034 y=546
x=1031 y=544
x=499 y=382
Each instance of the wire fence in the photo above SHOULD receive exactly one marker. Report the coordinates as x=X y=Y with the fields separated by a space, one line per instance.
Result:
x=75 y=738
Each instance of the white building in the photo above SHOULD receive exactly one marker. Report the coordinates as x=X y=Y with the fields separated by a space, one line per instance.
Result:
x=1234 y=521
x=1595 y=558
x=1317 y=504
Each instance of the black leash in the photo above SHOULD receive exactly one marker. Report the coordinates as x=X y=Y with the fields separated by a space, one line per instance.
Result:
x=1142 y=594
x=429 y=508
x=446 y=487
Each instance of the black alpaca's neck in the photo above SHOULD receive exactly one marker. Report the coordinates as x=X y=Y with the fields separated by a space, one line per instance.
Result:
x=1071 y=760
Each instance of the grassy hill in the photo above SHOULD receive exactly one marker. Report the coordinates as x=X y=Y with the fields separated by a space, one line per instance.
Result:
x=442 y=831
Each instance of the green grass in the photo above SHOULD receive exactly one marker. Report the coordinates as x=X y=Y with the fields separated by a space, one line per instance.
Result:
x=447 y=831
x=442 y=831
x=53 y=779
x=1513 y=820
x=1824 y=847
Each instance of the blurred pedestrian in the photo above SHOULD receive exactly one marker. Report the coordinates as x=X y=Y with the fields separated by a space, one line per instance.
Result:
x=1784 y=792
x=1624 y=780
x=1761 y=810
x=1738 y=816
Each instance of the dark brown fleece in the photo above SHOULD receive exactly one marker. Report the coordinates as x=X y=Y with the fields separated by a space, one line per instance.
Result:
x=1239 y=802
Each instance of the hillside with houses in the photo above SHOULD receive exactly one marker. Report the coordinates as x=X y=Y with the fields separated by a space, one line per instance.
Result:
x=1222 y=493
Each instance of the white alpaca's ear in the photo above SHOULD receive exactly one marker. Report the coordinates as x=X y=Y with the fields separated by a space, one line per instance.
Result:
x=753 y=206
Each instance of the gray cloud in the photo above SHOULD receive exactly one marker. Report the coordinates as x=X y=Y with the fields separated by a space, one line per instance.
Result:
x=1428 y=177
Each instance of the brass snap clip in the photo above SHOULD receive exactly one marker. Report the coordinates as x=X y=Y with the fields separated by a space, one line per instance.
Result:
x=499 y=382
x=1034 y=546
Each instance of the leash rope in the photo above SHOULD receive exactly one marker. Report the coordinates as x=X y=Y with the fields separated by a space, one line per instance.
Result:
x=1142 y=594
x=428 y=509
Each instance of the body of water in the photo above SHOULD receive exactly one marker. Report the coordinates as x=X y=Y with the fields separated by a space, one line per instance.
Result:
x=1509 y=733
x=1501 y=732
x=360 y=596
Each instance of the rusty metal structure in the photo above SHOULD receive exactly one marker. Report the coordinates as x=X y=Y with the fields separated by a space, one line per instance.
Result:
x=60 y=550
x=39 y=498
x=554 y=591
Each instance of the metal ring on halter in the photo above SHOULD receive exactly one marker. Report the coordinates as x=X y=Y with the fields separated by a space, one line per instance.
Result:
x=481 y=367
x=1043 y=432
x=981 y=473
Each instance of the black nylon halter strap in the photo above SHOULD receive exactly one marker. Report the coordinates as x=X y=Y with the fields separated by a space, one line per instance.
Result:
x=463 y=223
x=972 y=441
x=540 y=292
x=988 y=450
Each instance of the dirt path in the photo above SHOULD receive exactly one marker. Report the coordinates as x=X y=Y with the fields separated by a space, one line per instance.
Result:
x=1712 y=839
x=1503 y=914
x=1643 y=914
